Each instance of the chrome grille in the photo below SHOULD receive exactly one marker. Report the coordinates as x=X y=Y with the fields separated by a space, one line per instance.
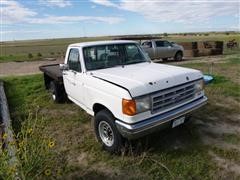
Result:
x=172 y=97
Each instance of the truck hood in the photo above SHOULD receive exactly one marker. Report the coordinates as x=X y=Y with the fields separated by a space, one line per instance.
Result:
x=145 y=78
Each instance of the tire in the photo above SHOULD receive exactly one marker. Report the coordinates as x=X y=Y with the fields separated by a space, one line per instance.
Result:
x=178 y=56
x=164 y=59
x=107 y=133
x=58 y=95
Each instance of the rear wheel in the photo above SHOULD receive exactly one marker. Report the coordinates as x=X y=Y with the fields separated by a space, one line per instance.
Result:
x=178 y=56
x=58 y=95
x=107 y=133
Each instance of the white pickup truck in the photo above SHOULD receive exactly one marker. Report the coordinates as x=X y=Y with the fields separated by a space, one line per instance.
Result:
x=128 y=95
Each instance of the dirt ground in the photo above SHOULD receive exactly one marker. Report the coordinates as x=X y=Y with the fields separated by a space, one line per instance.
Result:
x=25 y=67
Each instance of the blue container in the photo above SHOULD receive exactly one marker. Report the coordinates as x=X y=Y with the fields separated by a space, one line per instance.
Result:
x=207 y=79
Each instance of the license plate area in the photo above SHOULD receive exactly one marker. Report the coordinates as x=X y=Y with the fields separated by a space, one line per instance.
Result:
x=178 y=121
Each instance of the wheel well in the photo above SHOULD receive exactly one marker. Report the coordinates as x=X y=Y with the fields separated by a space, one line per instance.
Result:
x=179 y=52
x=98 y=107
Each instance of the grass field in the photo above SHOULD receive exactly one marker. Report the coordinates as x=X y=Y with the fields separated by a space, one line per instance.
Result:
x=40 y=49
x=57 y=141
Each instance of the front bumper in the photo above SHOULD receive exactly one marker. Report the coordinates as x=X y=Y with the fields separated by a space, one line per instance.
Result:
x=147 y=126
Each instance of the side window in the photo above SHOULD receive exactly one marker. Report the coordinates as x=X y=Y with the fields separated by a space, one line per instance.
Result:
x=147 y=43
x=160 y=43
x=73 y=60
x=166 y=44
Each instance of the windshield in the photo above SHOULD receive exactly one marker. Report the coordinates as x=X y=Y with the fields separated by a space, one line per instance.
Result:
x=106 y=56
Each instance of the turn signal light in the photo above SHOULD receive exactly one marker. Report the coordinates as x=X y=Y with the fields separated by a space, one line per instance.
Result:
x=129 y=107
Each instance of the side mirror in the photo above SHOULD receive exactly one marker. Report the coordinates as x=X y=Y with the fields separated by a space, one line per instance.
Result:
x=64 y=67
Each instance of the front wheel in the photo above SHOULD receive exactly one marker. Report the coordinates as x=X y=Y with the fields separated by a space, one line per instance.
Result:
x=178 y=56
x=107 y=133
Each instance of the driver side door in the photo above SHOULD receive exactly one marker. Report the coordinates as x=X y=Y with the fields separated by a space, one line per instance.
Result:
x=73 y=77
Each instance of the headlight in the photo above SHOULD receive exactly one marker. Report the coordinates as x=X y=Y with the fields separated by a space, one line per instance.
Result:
x=134 y=106
x=143 y=104
x=199 y=86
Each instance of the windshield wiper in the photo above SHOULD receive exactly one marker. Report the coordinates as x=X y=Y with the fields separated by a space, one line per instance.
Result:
x=105 y=67
x=134 y=62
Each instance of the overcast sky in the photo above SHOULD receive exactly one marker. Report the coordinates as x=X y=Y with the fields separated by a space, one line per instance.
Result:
x=39 y=19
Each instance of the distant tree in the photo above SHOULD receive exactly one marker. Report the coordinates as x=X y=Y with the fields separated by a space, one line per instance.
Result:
x=52 y=53
x=227 y=33
x=39 y=54
x=30 y=55
x=206 y=34
x=165 y=34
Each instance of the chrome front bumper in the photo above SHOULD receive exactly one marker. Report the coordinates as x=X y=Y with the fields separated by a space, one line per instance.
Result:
x=147 y=126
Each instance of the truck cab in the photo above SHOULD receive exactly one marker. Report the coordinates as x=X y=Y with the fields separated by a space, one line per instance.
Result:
x=128 y=95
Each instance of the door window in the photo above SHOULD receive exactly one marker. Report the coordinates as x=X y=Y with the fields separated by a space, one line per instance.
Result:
x=73 y=60
x=147 y=44
x=160 y=43
x=167 y=44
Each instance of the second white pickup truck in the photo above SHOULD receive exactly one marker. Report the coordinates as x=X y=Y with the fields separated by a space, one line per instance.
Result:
x=128 y=95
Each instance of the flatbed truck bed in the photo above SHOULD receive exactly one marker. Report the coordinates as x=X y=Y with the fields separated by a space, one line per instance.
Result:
x=53 y=71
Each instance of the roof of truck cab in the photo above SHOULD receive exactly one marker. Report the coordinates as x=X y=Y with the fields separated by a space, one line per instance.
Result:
x=95 y=43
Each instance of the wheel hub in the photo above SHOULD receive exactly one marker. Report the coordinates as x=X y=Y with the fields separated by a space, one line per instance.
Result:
x=53 y=92
x=106 y=133
x=179 y=56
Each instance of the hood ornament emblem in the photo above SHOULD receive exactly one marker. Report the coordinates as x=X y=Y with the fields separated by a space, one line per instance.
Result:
x=187 y=78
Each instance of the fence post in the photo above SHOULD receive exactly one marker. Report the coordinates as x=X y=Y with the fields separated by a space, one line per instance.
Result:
x=9 y=141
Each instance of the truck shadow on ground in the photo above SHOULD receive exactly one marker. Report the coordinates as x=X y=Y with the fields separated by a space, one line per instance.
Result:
x=180 y=137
